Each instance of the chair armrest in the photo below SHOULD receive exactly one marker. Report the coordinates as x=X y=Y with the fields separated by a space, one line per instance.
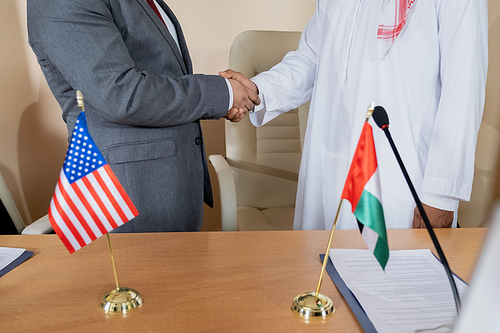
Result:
x=40 y=226
x=227 y=192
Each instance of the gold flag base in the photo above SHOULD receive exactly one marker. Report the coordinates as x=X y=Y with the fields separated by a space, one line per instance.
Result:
x=313 y=305
x=121 y=300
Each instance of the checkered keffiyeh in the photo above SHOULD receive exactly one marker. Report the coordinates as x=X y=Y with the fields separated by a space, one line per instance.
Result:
x=394 y=15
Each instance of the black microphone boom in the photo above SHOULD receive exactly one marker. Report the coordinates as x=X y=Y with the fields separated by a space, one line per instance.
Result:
x=382 y=120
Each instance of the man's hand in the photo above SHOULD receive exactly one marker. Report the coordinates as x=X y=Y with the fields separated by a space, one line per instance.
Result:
x=245 y=95
x=437 y=217
x=242 y=79
x=235 y=114
x=243 y=98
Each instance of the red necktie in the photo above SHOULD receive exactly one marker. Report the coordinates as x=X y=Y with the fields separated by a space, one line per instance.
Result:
x=153 y=6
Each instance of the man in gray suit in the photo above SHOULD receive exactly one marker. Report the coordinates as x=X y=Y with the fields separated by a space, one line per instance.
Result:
x=143 y=103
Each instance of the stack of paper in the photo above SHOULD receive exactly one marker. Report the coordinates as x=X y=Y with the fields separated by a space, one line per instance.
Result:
x=412 y=295
x=10 y=258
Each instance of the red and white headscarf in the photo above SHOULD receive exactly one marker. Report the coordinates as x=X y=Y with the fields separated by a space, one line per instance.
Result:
x=394 y=15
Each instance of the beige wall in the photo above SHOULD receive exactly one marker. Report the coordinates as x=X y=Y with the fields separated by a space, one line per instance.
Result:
x=33 y=136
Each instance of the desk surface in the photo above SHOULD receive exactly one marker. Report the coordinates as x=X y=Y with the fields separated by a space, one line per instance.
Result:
x=194 y=282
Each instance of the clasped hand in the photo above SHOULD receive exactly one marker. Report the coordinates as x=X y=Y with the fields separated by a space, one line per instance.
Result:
x=245 y=95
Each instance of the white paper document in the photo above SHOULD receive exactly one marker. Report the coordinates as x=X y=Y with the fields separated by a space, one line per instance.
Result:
x=8 y=255
x=412 y=295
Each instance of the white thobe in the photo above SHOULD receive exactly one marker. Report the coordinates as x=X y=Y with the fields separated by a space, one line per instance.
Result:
x=431 y=83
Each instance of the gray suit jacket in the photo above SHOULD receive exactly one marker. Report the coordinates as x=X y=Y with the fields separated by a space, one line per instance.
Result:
x=142 y=102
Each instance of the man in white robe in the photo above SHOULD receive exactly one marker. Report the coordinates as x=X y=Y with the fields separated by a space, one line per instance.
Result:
x=425 y=62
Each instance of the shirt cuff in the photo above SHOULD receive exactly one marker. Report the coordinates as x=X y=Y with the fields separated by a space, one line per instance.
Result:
x=439 y=201
x=259 y=111
x=262 y=105
x=230 y=89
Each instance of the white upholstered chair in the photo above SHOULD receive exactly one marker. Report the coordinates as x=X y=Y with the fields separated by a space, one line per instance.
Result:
x=40 y=226
x=258 y=177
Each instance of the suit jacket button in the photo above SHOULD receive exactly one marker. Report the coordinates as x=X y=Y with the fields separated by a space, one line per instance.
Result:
x=198 y=141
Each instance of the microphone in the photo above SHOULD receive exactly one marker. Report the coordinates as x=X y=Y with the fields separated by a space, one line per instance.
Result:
x=382 y=120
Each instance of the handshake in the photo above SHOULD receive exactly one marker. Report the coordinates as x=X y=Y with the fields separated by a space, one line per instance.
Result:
x=245 y=95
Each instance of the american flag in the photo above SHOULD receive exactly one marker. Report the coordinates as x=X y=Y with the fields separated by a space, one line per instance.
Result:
x=88 y=201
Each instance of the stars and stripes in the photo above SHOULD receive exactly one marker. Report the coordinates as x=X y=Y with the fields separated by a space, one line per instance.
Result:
x=88 y=201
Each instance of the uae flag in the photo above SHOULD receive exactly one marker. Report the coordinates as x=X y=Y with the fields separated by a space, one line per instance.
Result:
x=362 y=190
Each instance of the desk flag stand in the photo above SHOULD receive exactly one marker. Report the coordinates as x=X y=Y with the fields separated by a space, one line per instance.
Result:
x=314 y=304
x=118 y=300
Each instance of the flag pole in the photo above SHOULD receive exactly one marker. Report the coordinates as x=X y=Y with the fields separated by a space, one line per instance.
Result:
x=327 y=252
x=119 y=300
x=371 y=108
x=315 y=304
x=113 y=261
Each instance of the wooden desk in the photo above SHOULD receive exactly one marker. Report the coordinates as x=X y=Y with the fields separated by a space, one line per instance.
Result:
x=194 y=282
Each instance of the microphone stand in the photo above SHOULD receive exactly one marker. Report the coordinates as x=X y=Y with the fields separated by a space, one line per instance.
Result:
x=385 y=128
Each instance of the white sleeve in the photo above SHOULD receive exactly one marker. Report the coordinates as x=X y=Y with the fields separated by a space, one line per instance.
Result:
x=463 y=38
x=439 y=201
x=289 y=84
x=230 y=89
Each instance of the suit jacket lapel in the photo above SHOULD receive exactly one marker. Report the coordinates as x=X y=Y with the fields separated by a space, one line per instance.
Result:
x=180 y=37
x=186 y=65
